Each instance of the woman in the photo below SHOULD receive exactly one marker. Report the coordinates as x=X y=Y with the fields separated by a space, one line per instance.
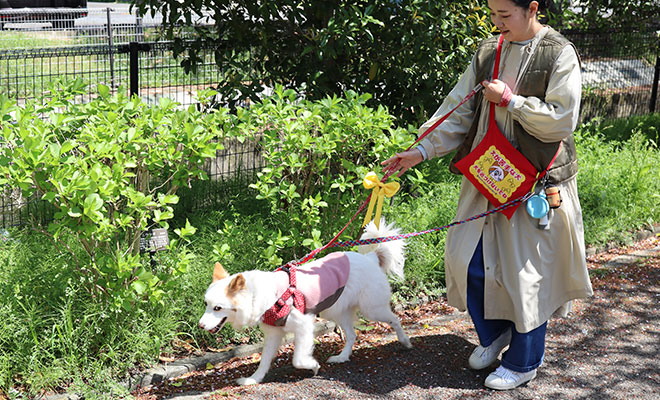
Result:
x=513 y=275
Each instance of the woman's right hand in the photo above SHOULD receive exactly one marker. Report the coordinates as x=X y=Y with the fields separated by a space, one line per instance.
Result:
x=402 y=162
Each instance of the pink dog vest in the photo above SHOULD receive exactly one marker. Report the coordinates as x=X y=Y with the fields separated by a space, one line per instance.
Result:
x=321 y=282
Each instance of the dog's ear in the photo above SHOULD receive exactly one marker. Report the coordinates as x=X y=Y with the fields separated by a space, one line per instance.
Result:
x=219 y=272
x=236 y=285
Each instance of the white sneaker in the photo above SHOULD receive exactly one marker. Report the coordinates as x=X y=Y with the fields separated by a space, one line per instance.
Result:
x=505 y=379
x=482 y=357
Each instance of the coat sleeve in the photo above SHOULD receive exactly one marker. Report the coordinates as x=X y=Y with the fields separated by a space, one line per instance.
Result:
x=555 y=118
x=450 y=134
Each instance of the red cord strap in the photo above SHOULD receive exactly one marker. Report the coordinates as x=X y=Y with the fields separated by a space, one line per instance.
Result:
x=276 y=315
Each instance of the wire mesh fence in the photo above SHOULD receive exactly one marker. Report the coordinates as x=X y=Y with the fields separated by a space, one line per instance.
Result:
x=29 y=73
x=39 y=46
x=36 y=17
x=619 y=72
x=123 y=52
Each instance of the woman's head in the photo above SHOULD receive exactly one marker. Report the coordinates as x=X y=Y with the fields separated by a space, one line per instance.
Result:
x=516 y=19
x=542 y=4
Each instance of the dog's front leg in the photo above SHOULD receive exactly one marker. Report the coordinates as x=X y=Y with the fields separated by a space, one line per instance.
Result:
x=272 y=342
x=303 y=351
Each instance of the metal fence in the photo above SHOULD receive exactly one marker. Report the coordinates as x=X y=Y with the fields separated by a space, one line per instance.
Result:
x=123 y=52
x=46 y=28
x=39 y=47
x=620 y=72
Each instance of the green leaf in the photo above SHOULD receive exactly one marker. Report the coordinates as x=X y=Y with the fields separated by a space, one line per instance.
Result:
x=49 y=196
x=139 y=287
x=186 y=231
x=55 y=149
x=75 y=212
x=170 y=199
x=67 y=146
x=104 y=91
x=93 y=202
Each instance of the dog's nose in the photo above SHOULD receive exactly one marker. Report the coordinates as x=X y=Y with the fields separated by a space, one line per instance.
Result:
x=201 y=326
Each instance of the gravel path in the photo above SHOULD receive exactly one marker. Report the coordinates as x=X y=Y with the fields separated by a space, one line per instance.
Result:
x=607 y=349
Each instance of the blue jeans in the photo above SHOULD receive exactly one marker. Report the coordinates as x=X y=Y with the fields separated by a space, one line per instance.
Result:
x=526 y=350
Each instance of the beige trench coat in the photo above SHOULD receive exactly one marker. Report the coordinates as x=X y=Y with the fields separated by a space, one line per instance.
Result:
x=530 y=273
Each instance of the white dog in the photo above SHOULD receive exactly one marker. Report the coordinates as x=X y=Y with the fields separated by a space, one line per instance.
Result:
x=243 y=299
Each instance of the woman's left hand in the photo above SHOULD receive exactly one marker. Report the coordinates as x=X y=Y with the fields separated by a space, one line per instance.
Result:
x=401 y=162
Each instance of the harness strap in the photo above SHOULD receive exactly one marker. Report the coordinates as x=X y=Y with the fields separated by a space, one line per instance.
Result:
x=281 y=309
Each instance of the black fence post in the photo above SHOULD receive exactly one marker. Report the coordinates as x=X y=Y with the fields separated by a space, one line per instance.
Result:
x=110 y=47
x=654 y=91
x=134 y=68
x=138 y=29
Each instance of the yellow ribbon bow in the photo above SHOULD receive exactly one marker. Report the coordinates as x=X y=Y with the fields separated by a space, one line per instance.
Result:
x=380 y=190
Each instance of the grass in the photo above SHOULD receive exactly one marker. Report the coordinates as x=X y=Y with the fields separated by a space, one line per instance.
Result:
x=619 y=183
x=11 y=40
x=55 y=334
x=39 y=39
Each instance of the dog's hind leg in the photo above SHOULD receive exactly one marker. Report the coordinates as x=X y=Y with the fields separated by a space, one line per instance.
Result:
x=272 y=342
x=345 y=321
x=384 y=314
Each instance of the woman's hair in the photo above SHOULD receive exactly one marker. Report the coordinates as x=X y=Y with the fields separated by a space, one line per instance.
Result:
x=525 y=4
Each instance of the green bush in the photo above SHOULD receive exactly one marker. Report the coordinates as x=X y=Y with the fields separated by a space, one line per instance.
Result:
x=618 y=179
x=622 y=129
x=317 y=153
x=111 y=169
x=56 y=333
x=603 y=14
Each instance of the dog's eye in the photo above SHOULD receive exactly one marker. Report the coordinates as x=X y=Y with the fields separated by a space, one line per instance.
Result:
x=217 y=308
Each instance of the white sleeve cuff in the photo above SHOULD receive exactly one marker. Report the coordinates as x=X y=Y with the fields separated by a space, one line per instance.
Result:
x=512 y=103
x=421 y=150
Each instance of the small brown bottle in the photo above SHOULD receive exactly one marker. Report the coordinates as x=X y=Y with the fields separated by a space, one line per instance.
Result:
x=553 y=196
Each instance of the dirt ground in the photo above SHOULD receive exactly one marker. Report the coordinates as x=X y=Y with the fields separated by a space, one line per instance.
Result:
x=607 y=349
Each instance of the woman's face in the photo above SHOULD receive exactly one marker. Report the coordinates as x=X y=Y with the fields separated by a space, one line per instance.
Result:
x=515 y=23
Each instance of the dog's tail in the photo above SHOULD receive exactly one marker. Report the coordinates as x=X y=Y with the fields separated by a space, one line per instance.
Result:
x=391 y=255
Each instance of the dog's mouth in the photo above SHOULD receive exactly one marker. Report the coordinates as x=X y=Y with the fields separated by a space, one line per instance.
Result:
x=219 y=326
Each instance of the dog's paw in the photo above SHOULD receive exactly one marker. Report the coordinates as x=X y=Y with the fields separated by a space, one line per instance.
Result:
x=337 y=359
x=406 y=343
x=310 y=364
x=246 y=381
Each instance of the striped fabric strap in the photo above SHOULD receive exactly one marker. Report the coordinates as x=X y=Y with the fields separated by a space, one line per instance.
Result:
x=351 y=243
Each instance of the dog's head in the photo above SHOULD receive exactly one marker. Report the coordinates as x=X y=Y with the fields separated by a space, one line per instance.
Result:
x=223 y=299
x=497 y=173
